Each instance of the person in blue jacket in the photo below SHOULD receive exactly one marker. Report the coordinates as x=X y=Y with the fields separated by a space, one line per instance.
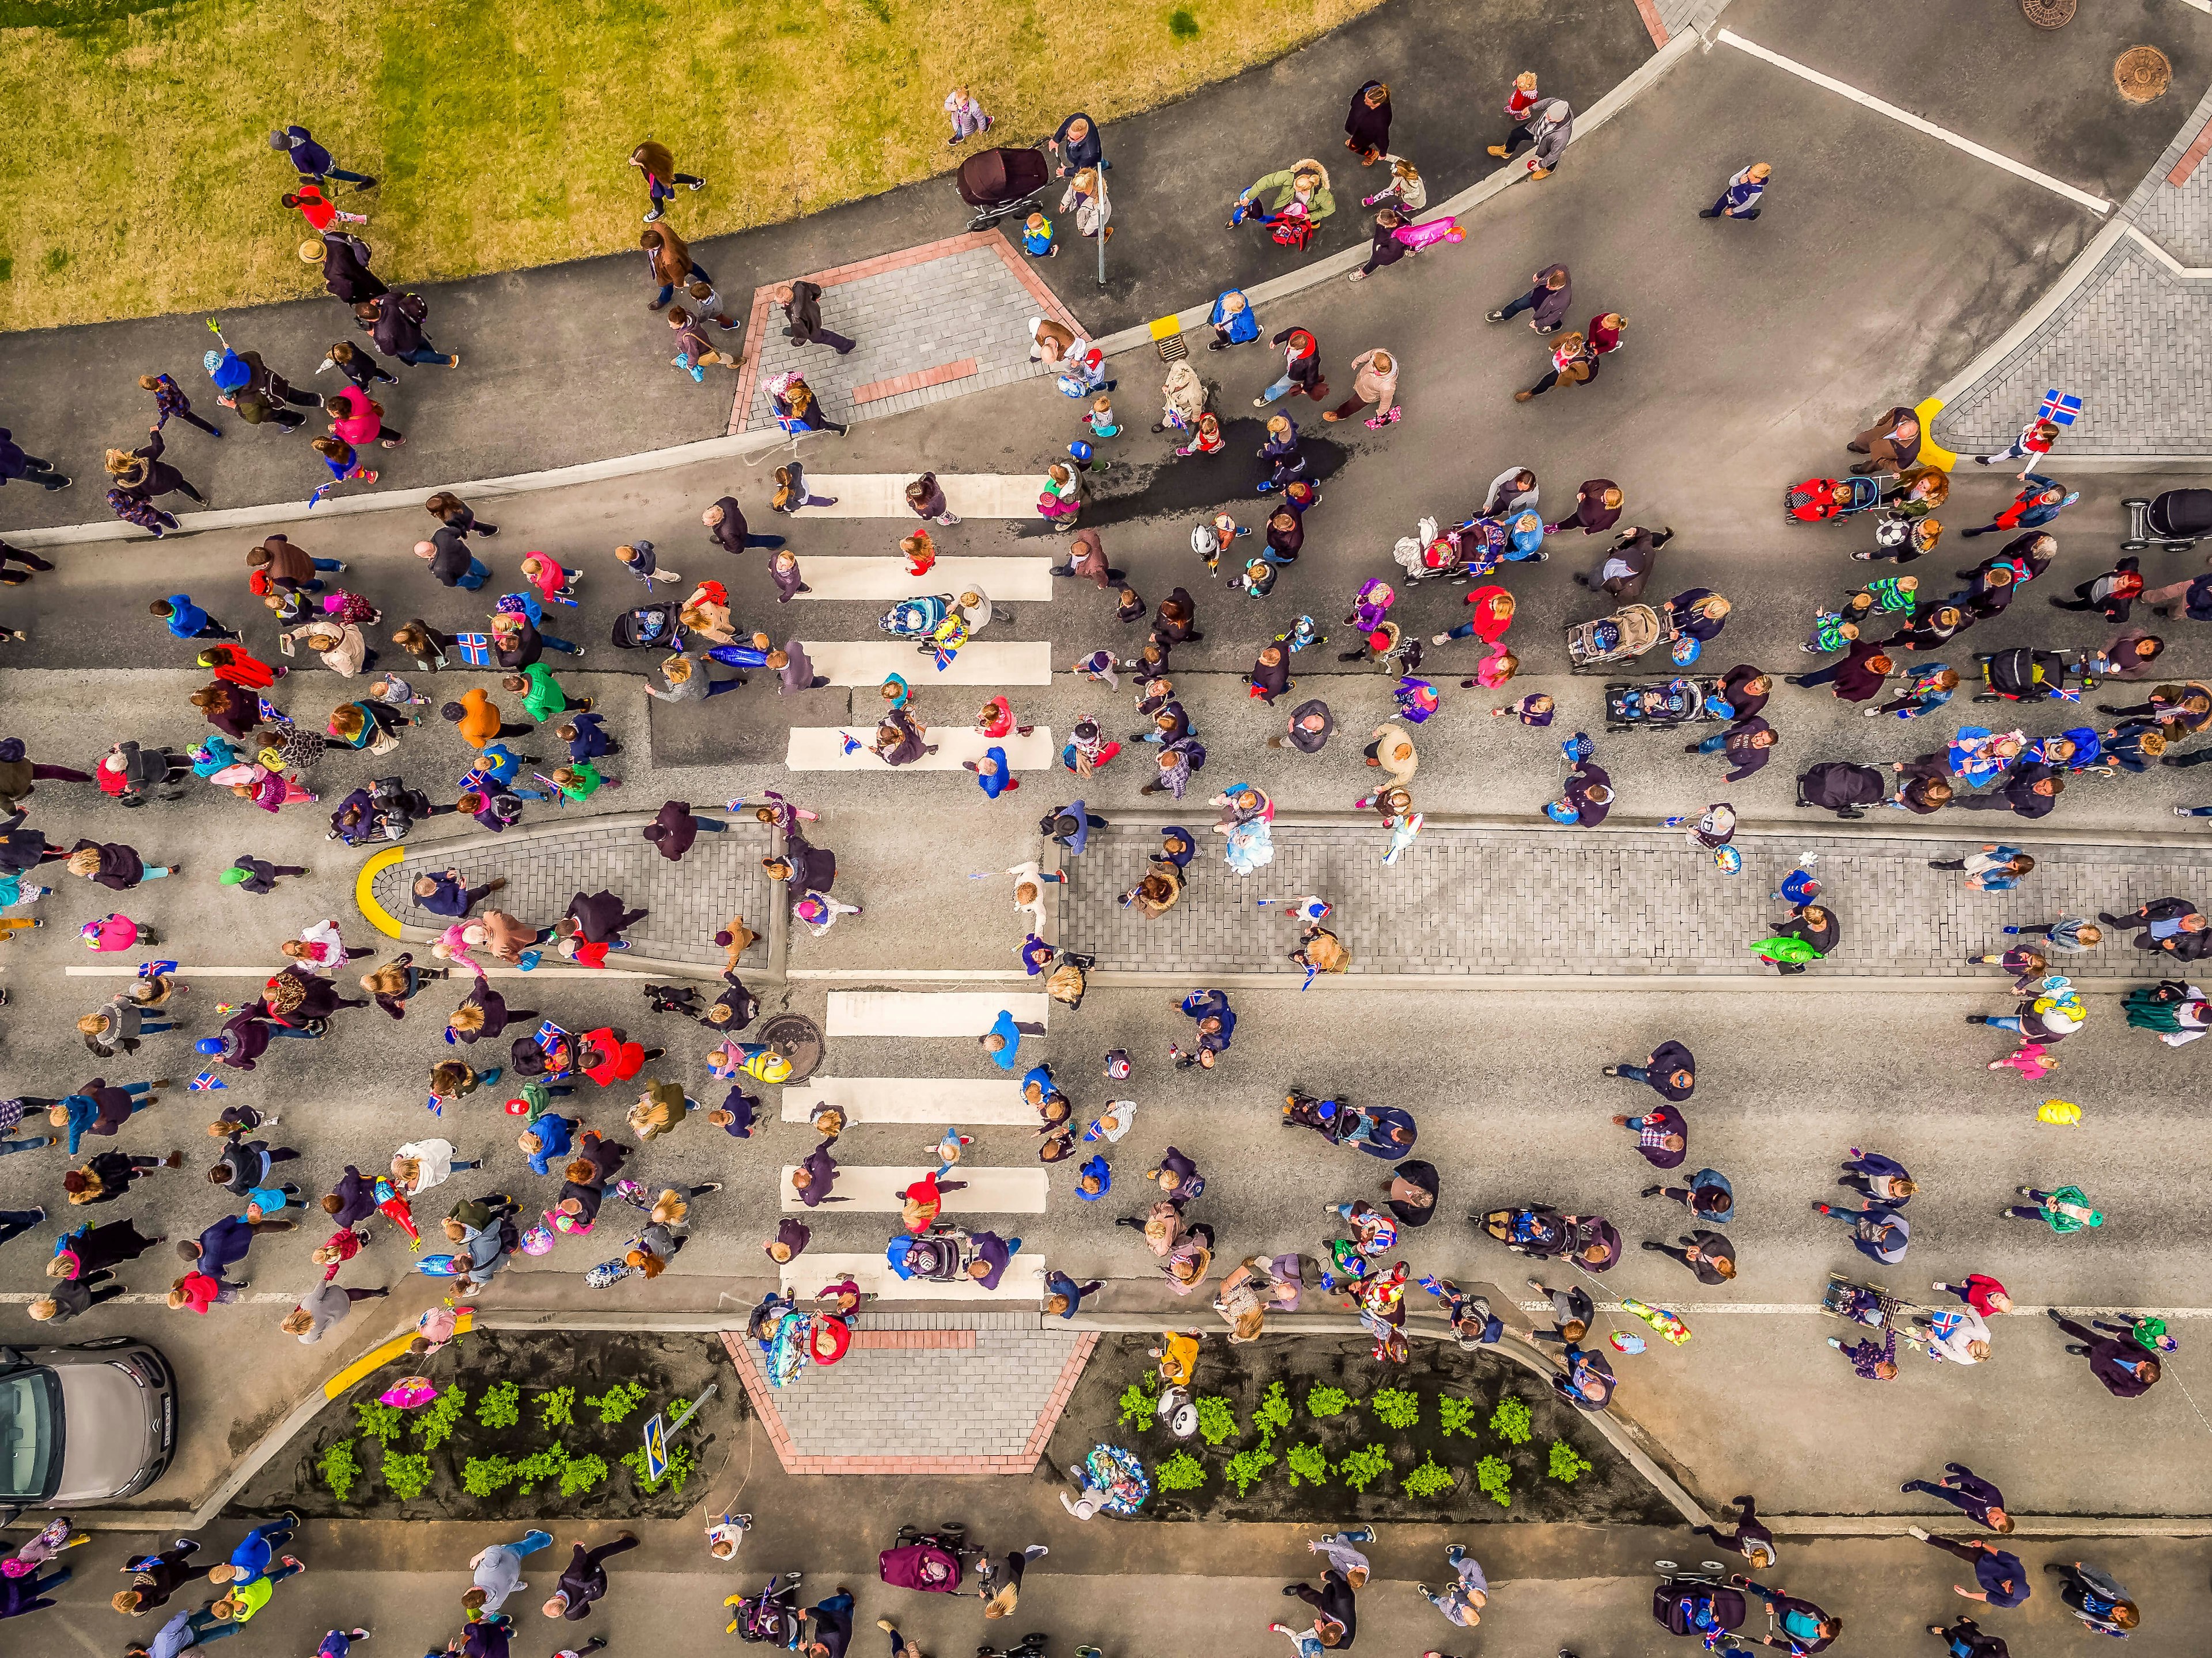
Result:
x=1233 y=321
x=312 y=161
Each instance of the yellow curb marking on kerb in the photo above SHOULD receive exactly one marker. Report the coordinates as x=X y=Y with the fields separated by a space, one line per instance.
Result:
x=379 y=917
x=382 y=1355
x=1164 y=327
x=1930 y=450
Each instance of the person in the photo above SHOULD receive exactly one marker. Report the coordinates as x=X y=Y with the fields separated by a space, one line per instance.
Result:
x=1741 y=200
x=394 y=322
x=17 y=466
x=1333 y=1603
x=1233 y=324
x=1993 y=869
x=2065 y=1210
x=22 y=1595
x=1549 y=300
x=585 y=1579
x=1549 y=125
x=498 y=1568
x=312 y=162
x=2125 y=1368
x=1374 y=379
x=1751 y=1539
x=1968 y=1492
x=1669 y=1068
x=1709 y=1254
x=1464 y=1597
x=653 y=159
x=1300 y=195
x=2039 y=501
x=1076 y=145
x=1803 y=1627
x=2097 y=1598
x=802 y=311
x=1367 y=126
x=2001 y=1579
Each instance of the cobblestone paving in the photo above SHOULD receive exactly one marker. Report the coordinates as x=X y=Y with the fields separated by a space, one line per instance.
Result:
x=546 y=867
x=1475 y=901
x=2134 y=341
x=964 y=307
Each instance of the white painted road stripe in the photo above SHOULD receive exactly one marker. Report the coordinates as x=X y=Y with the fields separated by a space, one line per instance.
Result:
x=871 y=662
x=290 y=1297
x=189 y=972
x=918 y=1014
x=874 y=1189
x=941 y=1102
x=822 y=748
x=1018 y=1285
x=1807 y=1308
x=879 y=581
x=2017 y=169
x=883 y=495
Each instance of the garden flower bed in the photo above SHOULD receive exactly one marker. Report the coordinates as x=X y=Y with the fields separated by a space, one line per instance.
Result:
x=547 y=1425
x=1305 y=1429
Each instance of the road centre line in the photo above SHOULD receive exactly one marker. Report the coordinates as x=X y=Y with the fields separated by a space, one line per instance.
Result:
x=1800 y=1309
x=2017 y=169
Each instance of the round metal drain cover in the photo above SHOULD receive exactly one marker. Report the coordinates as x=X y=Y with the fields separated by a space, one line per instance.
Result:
x=2048 y=14
x=799 y=1039
x=2141 y=73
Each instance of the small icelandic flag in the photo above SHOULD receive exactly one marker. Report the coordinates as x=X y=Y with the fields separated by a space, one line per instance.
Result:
x=2059 y=408
x=852 y=744
x=476 y=649
x=149 y=969
x=206 y=1083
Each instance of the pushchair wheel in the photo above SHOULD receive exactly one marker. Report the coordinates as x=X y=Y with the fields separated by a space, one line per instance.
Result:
x=1665 y=1566
x=953 y=1532
x=1712 y=1565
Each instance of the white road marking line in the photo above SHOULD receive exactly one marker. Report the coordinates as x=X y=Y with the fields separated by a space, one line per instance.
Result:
x=1806 y=1308
x=871 y=662
x=189 y=973
x=2017 y=169
x=963 y=1102
x=883 y=495
x=822 y=748
x=291 y=1297
x=1018 y=1285
x=915 y=1013
x=918 y=976
x=1008 y=580
x=2191 y=272
x=874 y=1189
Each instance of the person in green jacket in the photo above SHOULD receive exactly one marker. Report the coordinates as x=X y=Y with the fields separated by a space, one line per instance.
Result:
x=2067 y=1209
x=1306 y=182
x=542 y=694
x=581 y=779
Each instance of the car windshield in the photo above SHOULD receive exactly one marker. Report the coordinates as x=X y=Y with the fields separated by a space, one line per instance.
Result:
x=30 y=1435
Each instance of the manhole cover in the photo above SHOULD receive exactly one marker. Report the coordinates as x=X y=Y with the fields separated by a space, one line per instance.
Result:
x=799 y=1039
x=2141 y=73
x=2048 y=14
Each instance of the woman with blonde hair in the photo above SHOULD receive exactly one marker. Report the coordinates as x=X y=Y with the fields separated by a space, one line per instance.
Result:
x=1407 y=190
x=114 y=865
x=421 y=1164
x=1062 y=498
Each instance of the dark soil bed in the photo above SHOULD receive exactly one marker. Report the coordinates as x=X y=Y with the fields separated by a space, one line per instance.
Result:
x=1610 y=1492
x=668 y=1366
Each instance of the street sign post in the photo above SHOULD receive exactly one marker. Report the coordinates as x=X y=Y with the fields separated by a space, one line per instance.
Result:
x=656 y=1450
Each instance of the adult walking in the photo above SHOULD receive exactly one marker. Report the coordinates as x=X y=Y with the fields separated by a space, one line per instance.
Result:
x=2126 y=1370
x=1668 y=1068
x=1740 y=200
x=1627 y=564
x=1999 y=1577
x=1709 y=1254
x=1549 y=298
x=498 y=1570
x=344 y=258
x=1077 y=144
x=1978 y=1498
x=585 y=1579
x=1550 y=127
x=802 y=311
x=1374 y=379
x=395 y=322
x=1367 y=125
x=17 y=466
x=312 y=162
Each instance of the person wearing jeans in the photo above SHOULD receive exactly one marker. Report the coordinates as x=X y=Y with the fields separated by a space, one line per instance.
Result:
x=499 y=1571
x=32 y=1595
x=15 y=466
x=14 y=1223
x=1463 y=1599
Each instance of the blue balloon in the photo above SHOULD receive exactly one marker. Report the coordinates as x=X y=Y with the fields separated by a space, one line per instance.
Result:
x=210 y=1044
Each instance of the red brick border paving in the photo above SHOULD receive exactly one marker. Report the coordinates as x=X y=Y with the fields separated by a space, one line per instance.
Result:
x=2190 y=157
x=739 y=1348
x=944 y=374
x=764 y=307
x=1649 y=11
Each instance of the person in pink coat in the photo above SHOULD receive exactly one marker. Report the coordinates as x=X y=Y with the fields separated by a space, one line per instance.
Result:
x=115 y=932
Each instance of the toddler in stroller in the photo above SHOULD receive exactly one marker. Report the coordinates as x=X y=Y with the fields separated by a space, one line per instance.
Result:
x=772 y=1616
x=1661 y=705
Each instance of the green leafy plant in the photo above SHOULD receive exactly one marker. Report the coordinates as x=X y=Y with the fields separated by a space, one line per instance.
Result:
x=408 y=1476
x=1180 y=1473
x=1567 y=1467
x=1327 y=1401
x=1307 y=1462
x=582 y=1473
x=501 y=1406
x=379 y=1421
x=338 y=1469
x=618 y=1403
x=1510 y=1422
x=1495 y=1475
x=1245 y=1469
x=486 y=1476
x=1361 y=1468
x=1182 y=24
x=1274 y=1413
x=1426 y=1480
x=682 y=1461
x=1136 y=1406
x=438 y=1417
x=541 y=1464
x=557 y=1409
x=1217 y=1419
x=1457 y=1415
x=1396 y=1408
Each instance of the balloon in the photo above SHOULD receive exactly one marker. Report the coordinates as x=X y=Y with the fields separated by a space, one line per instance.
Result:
x=2058 y=1111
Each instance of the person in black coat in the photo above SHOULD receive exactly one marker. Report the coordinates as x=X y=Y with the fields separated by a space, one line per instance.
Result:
x=2188 y=937
x=1589 y=793
x=1668 y=1068
x=1816 y=923
x=807 y=868
x=2031 y=791
x=1744 y=690
x=725 y=522
x=143 y=474
x=1333 y=1600
x=1709 y=1254
x=1078 y=144
x=1752 y=1540
x=585 y=1579
x=354 y=1199
x=17 y=466
x=394 y=322
x=1367 y=126
x=345 y=268
x=1175 y=622
x=802 y=309
x=600 y=916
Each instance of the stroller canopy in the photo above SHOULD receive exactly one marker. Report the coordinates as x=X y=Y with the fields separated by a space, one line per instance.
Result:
x=996 y=176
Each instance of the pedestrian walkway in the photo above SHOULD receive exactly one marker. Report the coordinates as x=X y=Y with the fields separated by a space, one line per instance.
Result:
x=1475 y=901
x=1006 y=581
x=823 y=747
x=1014 y=662
x=546 y=864
x=874 y=1189
x=936 y=1101
x=923 y=1392
x=929 y=1013
x=873 y=1273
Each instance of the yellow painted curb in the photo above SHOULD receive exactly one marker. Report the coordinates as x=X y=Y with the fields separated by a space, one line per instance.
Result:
x=1165 y=327
x=391 y=1350
x=379 y=918
x=1932 y=452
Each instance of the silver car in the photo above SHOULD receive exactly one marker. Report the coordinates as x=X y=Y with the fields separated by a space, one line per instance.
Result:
x=83 y=1424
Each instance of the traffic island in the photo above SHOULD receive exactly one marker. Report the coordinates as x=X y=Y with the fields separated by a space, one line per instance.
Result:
x=550 y=1424
x=1306 y=1432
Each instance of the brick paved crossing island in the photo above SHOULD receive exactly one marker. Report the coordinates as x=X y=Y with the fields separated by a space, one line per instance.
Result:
x=1470 y=901
x=546 y=866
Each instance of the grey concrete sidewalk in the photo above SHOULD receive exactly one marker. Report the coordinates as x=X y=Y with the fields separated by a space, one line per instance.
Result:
x=1477 y=901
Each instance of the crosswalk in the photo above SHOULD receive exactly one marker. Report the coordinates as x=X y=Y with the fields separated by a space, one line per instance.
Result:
x=928 y=1101
x=979 y=662
x=875 y=1188
x=879 y=581
x=1019 y=1285
x=823 y=748
x=883 y=495
x=930 y=1013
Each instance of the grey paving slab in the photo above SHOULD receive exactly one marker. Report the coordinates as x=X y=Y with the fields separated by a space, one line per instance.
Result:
x=979 y=1401
x=1477 y=901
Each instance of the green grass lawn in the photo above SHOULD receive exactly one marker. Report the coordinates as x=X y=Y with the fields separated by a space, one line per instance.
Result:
x=140 y=180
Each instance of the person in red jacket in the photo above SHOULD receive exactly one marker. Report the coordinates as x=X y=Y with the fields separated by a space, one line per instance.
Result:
x=608 y=1056
x=1982 y=1293
x=318 y=212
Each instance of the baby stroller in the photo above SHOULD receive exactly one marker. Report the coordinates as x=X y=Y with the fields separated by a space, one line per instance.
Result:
x=1626 y=635
x=915 y=618
x=649 y=627
x=999 y=183
x=1873 y=1306
x=772 y=1616
x=1691 y=1604
x=2175 y=520
x=934 y=1257
x=1535 y=1230
x=1843 y=787
x=1828 y=500
x=2021 y=675
x=929 y=1561
x=1663 y=704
